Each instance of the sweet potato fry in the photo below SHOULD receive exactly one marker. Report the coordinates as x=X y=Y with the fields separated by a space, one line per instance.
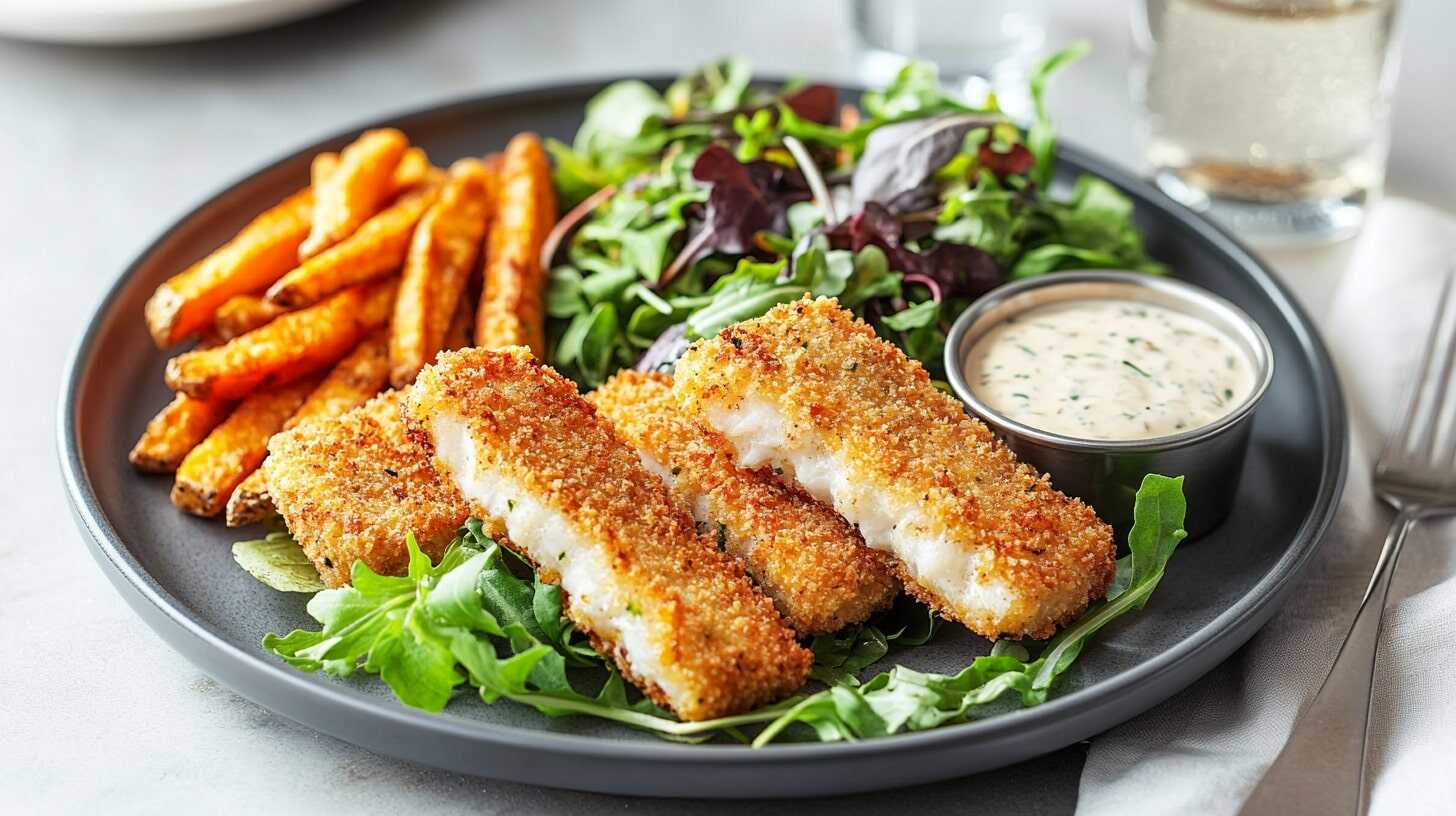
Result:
x=175 y=431
x=375 y=250
x=441 y=256
x=234 y=449
x=512 y=309
x=355 y=190
x=257 y=256
x=413 y=169
x=546 y=209
x=293 y=345
x=350 y=383
x=323 y=165
x=457 y=335
x=240 y=314
x=250 y=502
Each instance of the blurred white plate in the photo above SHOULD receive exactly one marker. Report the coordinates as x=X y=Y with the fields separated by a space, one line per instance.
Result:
x=129 y=22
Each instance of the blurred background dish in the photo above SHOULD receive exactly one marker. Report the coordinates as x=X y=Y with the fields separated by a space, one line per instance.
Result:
x=1272 y=116
x=980 y=48
x=128 y=22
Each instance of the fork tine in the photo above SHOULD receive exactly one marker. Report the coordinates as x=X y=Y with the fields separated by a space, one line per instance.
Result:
x=1441 y=355
x=1443 y=447
x=1412 y=440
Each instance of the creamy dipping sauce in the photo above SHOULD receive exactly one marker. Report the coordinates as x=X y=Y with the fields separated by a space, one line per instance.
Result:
x=1109 y=369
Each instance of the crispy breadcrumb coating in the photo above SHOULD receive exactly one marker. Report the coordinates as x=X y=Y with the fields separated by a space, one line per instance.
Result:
x=812 y=563
x=350 y=487
x=981 y=537
x=679 y=617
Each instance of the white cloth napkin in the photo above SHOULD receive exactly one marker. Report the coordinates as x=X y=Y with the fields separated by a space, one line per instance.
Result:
x=1204 y=750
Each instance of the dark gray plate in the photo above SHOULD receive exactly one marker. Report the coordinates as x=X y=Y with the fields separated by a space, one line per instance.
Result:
x=178 y=573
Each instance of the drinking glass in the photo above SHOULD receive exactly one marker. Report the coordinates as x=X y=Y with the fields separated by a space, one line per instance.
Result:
x=1270 y=115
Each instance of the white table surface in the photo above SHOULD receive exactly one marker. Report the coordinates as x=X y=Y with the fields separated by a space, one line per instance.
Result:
x=100 y=149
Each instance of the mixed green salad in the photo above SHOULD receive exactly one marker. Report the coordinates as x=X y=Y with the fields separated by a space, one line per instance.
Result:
x=698 y=207
x=716 y=200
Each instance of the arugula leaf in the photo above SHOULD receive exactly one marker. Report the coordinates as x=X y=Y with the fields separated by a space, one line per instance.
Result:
x=622 y=135
x=719 y=86
x=1051 y=257
x=839 y=657
x=590 y=344
x=1092 y=228
x=1156 y=531
x=617 y=114
x=871 y=279
x=278 y=561
x=915 y=91
x=1041 y=138
x=986 y=216
x=913 y=317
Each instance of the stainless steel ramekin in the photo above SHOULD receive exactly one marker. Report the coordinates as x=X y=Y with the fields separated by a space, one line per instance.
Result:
x=1104 y=473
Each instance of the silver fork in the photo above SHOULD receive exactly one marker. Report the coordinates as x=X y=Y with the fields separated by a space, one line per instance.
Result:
x=1322 y=767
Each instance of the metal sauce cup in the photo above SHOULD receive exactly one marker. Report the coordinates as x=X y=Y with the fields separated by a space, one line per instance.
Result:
x=1106 y=473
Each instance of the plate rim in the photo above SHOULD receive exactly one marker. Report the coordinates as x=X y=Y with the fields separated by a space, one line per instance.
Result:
x=114 y=557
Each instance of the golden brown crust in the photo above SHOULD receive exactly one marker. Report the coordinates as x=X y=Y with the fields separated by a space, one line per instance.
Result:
x=813 y=564
x=351 y=487
x=234 y=449
x=263 y=251
x=512 y=307
x=840 y=387
x=293 y=345
x=722 y=642
x=175 y=431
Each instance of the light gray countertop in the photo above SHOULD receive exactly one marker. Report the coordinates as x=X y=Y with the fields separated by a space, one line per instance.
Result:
x=100 y=149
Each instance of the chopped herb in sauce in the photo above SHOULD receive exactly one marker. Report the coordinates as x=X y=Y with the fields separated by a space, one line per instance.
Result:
x=1144 y=371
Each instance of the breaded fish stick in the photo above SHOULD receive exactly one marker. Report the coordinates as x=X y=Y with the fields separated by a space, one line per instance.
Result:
x=983 y=538
x=814 y=566
x=680 y=618
x=351 y=487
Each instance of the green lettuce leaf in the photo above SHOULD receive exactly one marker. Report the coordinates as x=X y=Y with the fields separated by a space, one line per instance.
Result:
x=1041 y=137
x=278 y=561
